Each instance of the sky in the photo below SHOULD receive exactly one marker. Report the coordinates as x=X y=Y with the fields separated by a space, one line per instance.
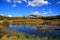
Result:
x=28 y=7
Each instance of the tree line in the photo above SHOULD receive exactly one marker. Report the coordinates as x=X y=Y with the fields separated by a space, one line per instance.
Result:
x=40 y=17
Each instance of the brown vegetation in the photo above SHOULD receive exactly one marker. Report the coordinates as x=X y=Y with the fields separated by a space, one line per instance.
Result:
x=45 y=28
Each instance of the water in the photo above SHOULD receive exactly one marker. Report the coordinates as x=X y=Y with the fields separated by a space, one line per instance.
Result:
x=33 y=31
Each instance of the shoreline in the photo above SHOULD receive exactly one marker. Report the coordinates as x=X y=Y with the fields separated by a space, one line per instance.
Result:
x=32 y=22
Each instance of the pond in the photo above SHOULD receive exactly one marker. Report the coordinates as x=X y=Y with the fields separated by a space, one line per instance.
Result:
x=34 y=31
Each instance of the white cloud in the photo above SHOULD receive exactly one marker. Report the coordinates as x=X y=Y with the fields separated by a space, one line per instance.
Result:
x=8 y=0
x=15 y=2
x=36 y=13
x=44 y=13
x=31 y=3
x=10 y=15
x=58 y=2
x=19 y=1
x=37 y=3
x=14 y=5
x=50 y=10
x=39 y=14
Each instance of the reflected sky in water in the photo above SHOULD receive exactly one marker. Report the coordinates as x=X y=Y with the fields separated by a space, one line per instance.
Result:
x=32 y=30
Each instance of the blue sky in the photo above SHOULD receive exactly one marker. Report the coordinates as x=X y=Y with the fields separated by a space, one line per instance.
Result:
x=27 y=7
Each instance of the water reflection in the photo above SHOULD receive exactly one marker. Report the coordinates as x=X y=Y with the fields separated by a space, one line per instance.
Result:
x=34 y=31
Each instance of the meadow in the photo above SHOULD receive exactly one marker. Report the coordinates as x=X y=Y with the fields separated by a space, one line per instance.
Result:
x=14 y=35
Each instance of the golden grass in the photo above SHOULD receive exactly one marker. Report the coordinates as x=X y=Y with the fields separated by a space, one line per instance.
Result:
x=32 y=21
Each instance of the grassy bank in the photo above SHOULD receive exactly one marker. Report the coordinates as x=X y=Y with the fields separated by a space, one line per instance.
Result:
x=32 y=22
x=25 y=21
x=23 y=36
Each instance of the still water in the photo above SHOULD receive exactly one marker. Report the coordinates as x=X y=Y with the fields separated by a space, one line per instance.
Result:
x=34 y=31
